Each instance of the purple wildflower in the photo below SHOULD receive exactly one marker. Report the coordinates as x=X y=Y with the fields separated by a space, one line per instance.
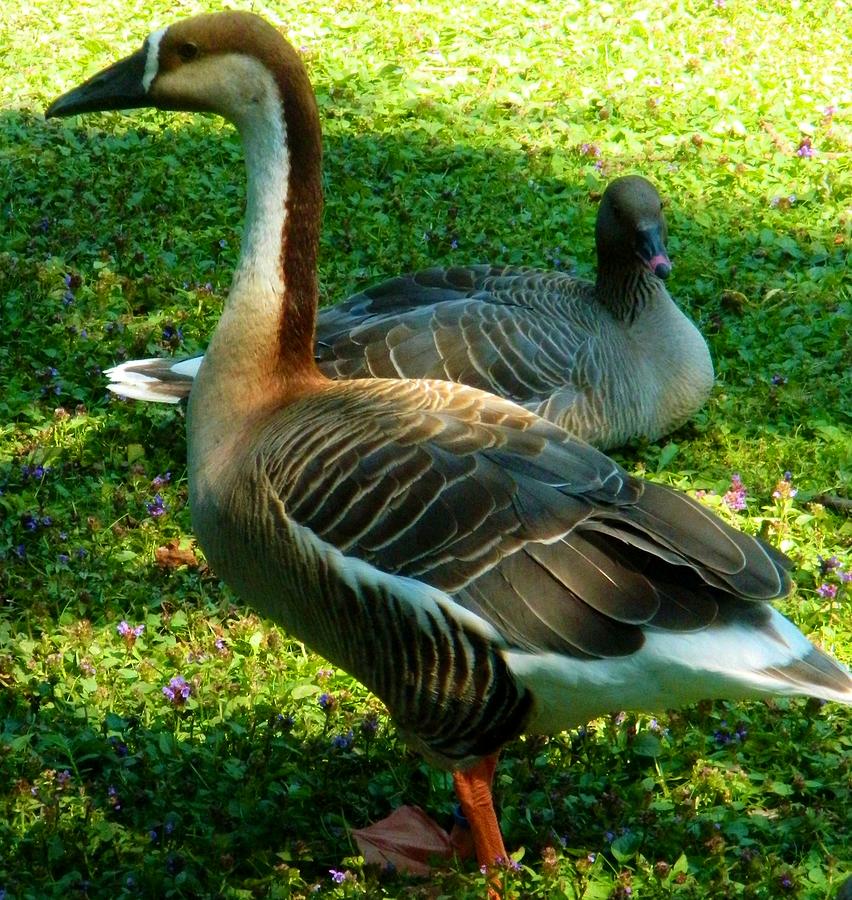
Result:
x=129 y=632
x=735 y=498
x=326 y=701
x=177 y=691
x=805 y=150
x=157 y=507
x=337 y=876
x=343 y=741
x=161 y=480
x=63 y=778
x=828 y=565
x=846 y=577
x=588 y=149
x=220 y=645
x=370 y=724
x=62 y=559
x=827 y=591
x=777 y=380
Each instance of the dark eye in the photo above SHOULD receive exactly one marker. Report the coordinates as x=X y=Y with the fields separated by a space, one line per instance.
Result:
x=188 y=51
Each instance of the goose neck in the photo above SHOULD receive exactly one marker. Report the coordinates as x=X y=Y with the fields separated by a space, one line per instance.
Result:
x=625 y=289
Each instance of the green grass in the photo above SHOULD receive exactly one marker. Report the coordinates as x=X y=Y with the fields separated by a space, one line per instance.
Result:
x=453 y=132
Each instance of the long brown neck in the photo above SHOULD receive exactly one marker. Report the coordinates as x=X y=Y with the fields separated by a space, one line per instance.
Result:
x=301 y=230
x=263 y=344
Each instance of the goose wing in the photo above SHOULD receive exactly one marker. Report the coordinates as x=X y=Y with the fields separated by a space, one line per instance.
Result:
x=548 y=540
x=519 y=333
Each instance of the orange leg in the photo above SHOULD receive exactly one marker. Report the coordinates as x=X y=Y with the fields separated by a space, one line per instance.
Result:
x=473 y=788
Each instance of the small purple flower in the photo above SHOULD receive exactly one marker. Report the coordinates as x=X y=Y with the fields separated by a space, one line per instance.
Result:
x=153 y=836
x=337 y=876
x=805 y=150
x=29 y=521
x=370 y=724
x=220 y=645
x=343 y=741
x=177 y=691
x=20 y=551
x=592 y=857
x=827 y=591
x=129 y=632
x=777 y=380
x=118 y=746
x=828 y=565
x=161 y=480
x=454 y=244
x=62 y=559
x=588 y=149
x=63 y=777
x=172 y=334
x=735 y=498
x=157 y=507
x=324 y=674
x=326 y=701
x=846 y=577
x=82 y=553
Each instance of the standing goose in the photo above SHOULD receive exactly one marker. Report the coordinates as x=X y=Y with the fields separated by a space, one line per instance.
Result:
x=588 y=356
x=478 y=569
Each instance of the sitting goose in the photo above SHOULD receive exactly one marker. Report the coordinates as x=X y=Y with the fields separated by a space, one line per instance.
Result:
x=481 y=571
x=587 y=356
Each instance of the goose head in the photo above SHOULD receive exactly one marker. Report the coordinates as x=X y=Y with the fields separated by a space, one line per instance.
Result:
x=230 y=63
x=631 y=229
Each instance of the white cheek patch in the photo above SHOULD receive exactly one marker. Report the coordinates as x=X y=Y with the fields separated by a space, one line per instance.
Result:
x=152 y=61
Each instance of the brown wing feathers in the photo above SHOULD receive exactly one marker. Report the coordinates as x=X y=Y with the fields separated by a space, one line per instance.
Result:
x=441 y=490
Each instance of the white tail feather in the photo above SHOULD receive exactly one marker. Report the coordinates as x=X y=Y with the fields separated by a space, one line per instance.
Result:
x=673 y=669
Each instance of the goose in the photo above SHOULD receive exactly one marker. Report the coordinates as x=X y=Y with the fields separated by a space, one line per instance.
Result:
x=481 y=571
x=586 y=355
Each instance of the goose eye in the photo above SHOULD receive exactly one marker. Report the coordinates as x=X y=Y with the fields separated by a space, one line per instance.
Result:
x=188 y=51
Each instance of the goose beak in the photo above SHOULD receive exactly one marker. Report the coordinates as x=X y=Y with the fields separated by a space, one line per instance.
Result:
x=652 y=251
x=118 y=87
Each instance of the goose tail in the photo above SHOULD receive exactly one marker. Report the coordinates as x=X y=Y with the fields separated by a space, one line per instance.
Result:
x=155 y=380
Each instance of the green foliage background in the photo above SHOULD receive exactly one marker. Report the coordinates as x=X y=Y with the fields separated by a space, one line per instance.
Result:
x=453 y=132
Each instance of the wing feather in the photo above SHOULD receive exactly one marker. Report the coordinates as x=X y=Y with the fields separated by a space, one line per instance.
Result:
x=545 y=538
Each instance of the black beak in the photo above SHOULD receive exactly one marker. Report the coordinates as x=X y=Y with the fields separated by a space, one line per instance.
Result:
x=651 y=249
x=117 y=87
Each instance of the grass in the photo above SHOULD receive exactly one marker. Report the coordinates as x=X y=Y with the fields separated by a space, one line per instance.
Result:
x=474 y=132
